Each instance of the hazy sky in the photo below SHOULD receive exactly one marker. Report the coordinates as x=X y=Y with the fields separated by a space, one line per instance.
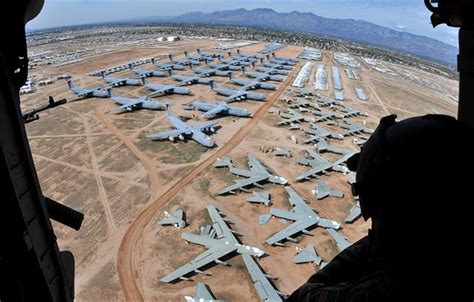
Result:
x=403 y=15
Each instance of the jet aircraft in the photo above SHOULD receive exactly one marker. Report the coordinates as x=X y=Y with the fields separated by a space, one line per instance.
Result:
x=307 y=254
x=256 y=175
x=187 y=80
x=159 y=89
x=130 y=104
x=146 y=73
x=236 y=95
x=222 y=108
x=323 y=190
x=97 y=92
x=304 y=217
x=203 y=294
x=183 y=131
x=319 y=165
x=251 y=84
x=177 y=219
x=341 y=241
x=116 y=82
x=225 y=244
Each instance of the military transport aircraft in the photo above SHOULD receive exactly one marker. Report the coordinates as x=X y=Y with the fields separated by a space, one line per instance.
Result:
x=183 y=131
x=97 y=92
x=131 y=104
x=237 y=95
x=117 y=82
x=146 y=73
x=222 y=108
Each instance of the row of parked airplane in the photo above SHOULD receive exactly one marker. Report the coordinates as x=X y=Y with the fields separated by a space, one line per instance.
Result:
x=181 y=130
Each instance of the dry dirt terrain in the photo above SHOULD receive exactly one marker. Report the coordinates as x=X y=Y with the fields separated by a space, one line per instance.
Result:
x=102 y=164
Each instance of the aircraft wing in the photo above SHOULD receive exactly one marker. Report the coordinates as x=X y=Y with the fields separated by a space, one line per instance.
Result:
x=241 y=184
x=221 y=227
x=85 y=93
x=256 y=166
x=233 y=98
x=302 y=258
x=209 y=256
x=125 y=106
x=355 y=213
x=214 y=111
x=292 y=229
x=165 y=134
x=160 y=91
x=203 y=293
x=205 y=126
x=169 y=220
x=312 y=172
x=264 y=288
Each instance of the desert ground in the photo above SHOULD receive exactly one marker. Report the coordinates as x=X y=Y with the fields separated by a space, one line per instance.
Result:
x=102 y=164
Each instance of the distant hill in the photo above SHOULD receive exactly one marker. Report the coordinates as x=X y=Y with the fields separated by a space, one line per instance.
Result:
x=349 y=29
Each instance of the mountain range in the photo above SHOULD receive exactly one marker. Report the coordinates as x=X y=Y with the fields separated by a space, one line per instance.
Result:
x=348 y=29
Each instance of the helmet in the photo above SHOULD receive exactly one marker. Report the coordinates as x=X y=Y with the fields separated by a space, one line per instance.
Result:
x=33 y=8
x=417 y=160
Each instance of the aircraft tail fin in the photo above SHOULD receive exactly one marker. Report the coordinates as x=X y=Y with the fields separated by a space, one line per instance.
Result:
x=268 y=57
x=143 y=80
x=153 y=61
x=261 y=60
x=212 y=84
x=102 y=74
x=198 y=51
x=238 y=51
x=273 y=54
x=169 y=111
x=171 y=57
x=322 y=144
x=185 y=53
x=253 y=64
x=130 y=66
x=110 y=92
x=170 y=72
x=231 y=76
x=229 y=53
x=243 y=69
x=69 y=84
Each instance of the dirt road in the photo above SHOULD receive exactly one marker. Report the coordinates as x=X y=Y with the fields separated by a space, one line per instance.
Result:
x=125 y=260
